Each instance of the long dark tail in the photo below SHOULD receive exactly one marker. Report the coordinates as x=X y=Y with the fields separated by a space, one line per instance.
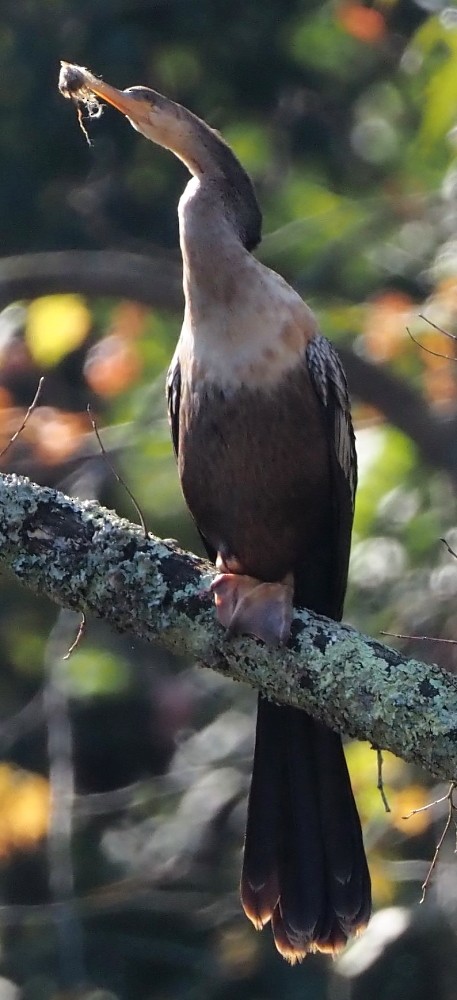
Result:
x=304 y=861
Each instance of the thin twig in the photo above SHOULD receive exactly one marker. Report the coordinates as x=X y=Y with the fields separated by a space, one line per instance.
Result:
x=380 y=784
x=451 y=551
x=79 y=635
x=428 y=350
x=439 y=328
x=119 y=478
x=429 y=805
x=439 y=845
x=30 y=410
x=429 y=638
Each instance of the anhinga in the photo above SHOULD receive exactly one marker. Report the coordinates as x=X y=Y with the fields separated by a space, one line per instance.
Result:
x=262 y=432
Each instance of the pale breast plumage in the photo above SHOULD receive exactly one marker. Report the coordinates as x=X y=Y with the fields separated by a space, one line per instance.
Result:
x=253 y=346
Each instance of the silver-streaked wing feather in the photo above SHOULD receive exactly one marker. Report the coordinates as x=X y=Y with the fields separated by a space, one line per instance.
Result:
x=173 y=393
x=329 y=380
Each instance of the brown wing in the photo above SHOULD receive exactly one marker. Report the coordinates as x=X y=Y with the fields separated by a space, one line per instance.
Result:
x=329 y=381
x=173 y=392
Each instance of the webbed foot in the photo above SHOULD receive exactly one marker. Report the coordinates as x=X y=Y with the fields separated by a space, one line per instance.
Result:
x=253 y=607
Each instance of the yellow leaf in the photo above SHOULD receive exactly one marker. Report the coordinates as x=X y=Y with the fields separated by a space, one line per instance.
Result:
x=24 y=809
x=382 y=887
x=362 y=763
x=56 y=325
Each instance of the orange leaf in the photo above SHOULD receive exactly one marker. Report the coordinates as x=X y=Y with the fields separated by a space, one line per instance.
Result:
x=57 y=434
x=440 y=383
x=112 y=365
x=363 y=23
x=388 y=316
x=446 y=293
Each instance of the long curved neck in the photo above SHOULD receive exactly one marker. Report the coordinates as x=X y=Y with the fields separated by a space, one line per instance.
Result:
x=219 y=172
x=219 y=218
x=211 y=249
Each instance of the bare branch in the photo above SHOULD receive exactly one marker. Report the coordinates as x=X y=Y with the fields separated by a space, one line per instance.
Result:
x=30 y=410
x=435 y=354
x=451 y=551
x=428 y=805
x=434 y=861
x=116 y=475
x=419 y=638
x=440 y=329
x=78 y=637
x=97 y=272
x=380 y=782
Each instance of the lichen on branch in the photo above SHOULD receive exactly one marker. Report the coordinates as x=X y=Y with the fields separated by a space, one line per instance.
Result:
x=87 y=558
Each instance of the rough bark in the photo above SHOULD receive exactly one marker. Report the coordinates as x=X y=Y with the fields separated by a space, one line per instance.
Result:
x=86 y=558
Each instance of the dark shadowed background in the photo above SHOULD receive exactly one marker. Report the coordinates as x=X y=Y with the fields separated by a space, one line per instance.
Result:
x=124 y=773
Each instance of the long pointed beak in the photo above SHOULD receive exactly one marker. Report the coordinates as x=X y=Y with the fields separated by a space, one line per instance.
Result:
x=135 y=107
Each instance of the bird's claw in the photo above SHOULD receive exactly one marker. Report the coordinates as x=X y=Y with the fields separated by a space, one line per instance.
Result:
x=245 y=605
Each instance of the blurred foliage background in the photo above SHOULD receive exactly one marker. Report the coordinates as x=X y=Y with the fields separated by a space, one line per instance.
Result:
x=124 y=773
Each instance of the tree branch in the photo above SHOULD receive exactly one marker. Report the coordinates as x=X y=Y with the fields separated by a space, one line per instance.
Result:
x=86 y=558
x=155 y=283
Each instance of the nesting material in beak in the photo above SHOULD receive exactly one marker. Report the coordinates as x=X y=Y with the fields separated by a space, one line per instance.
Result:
x=79 y=84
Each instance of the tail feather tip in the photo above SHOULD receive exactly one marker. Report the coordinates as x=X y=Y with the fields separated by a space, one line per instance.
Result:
x=258 y=914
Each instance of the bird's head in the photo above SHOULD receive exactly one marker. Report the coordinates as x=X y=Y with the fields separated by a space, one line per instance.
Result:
x=194 y=142
x=155 y=116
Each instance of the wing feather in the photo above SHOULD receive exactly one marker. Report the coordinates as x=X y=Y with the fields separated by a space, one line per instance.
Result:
x=329 y=382
x=173 y=391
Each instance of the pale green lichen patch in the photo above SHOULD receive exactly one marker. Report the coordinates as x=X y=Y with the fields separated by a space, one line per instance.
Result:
x=87 y=558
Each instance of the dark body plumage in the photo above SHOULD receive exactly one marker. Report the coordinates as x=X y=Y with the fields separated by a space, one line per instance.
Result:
x=263 y=436
x=242 y=483
x=269 y=477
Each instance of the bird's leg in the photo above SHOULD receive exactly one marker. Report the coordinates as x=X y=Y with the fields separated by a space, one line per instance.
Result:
x=247 y=605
